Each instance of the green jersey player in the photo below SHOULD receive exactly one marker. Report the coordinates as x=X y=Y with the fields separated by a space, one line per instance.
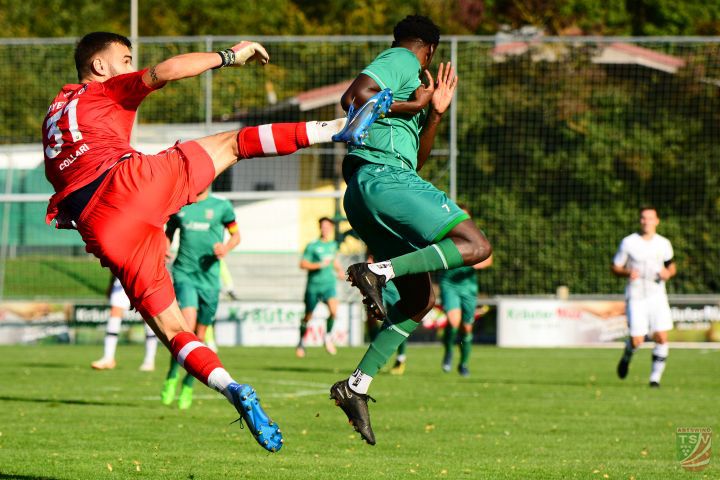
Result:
x=411 y=227
x=196 y=272
x=321 y=262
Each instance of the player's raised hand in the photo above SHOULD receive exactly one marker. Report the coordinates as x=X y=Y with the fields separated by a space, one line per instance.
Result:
x=424 y=93
x=444 y=87
x=246 y=51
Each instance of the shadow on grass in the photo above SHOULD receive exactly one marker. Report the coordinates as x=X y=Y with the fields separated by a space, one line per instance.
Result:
x=5 y=398
x=47 y=365
x=76 y=276
x=24 y=477
x=301 y=369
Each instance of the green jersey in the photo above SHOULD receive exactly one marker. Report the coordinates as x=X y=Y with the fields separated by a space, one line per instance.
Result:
x=201 y=226
x=462 y=277
x=394 y=141
x=319 y=251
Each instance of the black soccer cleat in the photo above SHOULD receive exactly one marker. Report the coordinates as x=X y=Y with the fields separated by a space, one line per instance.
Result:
x=370 y=285
x=622 y=368
x=654 y=384
x=355 y=406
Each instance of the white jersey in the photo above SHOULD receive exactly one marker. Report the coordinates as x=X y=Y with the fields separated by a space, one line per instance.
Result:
x=647 y=257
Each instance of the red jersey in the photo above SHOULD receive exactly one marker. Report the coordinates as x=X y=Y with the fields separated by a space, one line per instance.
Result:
x=87 y=129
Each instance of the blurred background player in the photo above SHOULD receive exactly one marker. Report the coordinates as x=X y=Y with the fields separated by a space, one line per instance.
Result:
x=646 y=259
x=411 y=226
x=459 y=293
x=119 y=304
x=196 y=273
x=323 y=267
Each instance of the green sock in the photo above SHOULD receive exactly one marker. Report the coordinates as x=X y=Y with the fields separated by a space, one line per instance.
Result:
x=402 y=348
x=188 y=381
x=466 y=348
x=449 y=338
x=329 y=324
x=173 y=371
x=303 y=329
x=443 y=255
x=384 y=345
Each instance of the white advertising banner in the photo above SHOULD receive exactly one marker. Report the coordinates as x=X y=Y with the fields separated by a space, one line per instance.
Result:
x=547 y=323
x=278 y=324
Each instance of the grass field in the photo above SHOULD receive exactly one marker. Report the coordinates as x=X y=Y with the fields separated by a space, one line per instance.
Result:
x=523 y=414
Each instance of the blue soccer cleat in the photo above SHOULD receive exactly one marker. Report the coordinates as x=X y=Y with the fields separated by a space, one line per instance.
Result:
x=266 y=432
x=359 y=121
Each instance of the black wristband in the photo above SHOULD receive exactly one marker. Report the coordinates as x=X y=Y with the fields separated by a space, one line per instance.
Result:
x=227 y=57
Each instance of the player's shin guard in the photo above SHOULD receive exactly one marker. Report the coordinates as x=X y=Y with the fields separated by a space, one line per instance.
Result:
x=659 y=356
x=200 y=362
x=380 y=350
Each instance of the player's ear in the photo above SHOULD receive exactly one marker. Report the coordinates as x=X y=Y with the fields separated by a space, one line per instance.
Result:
x=97 y=67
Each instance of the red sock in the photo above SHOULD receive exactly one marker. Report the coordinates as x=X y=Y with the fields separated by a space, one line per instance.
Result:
x=274 y=139
x=195 y=356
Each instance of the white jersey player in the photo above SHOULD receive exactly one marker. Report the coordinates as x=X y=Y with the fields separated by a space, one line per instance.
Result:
x=646 y=259
x=119 y=304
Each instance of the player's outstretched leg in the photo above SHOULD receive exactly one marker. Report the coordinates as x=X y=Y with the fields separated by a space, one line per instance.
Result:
x=358 y=121
x=203 y=364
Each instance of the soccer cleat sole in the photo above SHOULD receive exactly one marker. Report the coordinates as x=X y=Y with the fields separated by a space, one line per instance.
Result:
x=359 y=121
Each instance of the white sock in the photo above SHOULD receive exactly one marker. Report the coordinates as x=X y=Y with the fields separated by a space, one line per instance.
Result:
x=401 y=358
x=219 y=379
x=659 y=356
x=359 y=382
x=151 y=342
x=322 y=132
x=111 y=337
x=383 y=268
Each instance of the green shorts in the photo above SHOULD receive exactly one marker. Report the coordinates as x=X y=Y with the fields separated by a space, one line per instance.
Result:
x=315 y=294
x=204 y=300
x=457 y=296
x=396 y=212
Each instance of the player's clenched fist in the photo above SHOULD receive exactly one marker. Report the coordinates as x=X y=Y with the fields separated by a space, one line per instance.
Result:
x=242 y=53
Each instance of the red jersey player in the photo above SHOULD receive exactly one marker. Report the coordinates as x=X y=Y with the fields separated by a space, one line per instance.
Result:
x=119 y=199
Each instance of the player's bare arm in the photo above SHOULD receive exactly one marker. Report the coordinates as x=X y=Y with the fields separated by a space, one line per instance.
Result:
x=221 y=249
x=667 y=272
x=192 y=64
x=441 y=98
x=364 y=87
x=622 y=271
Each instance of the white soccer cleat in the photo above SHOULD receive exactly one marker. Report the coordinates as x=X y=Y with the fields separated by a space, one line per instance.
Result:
x=147 y=367
x=103 y=364
x=330 y=347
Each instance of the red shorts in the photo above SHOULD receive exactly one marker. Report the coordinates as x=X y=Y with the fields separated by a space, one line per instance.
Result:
x=123 y=224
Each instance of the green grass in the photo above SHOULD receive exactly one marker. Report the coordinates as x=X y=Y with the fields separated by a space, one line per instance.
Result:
x=522 y=414
x=55 y=277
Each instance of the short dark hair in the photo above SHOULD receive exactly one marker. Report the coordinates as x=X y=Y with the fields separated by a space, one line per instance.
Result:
x=90 y=45
x=326 y=219
x=647 y=207
x=417 y=27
